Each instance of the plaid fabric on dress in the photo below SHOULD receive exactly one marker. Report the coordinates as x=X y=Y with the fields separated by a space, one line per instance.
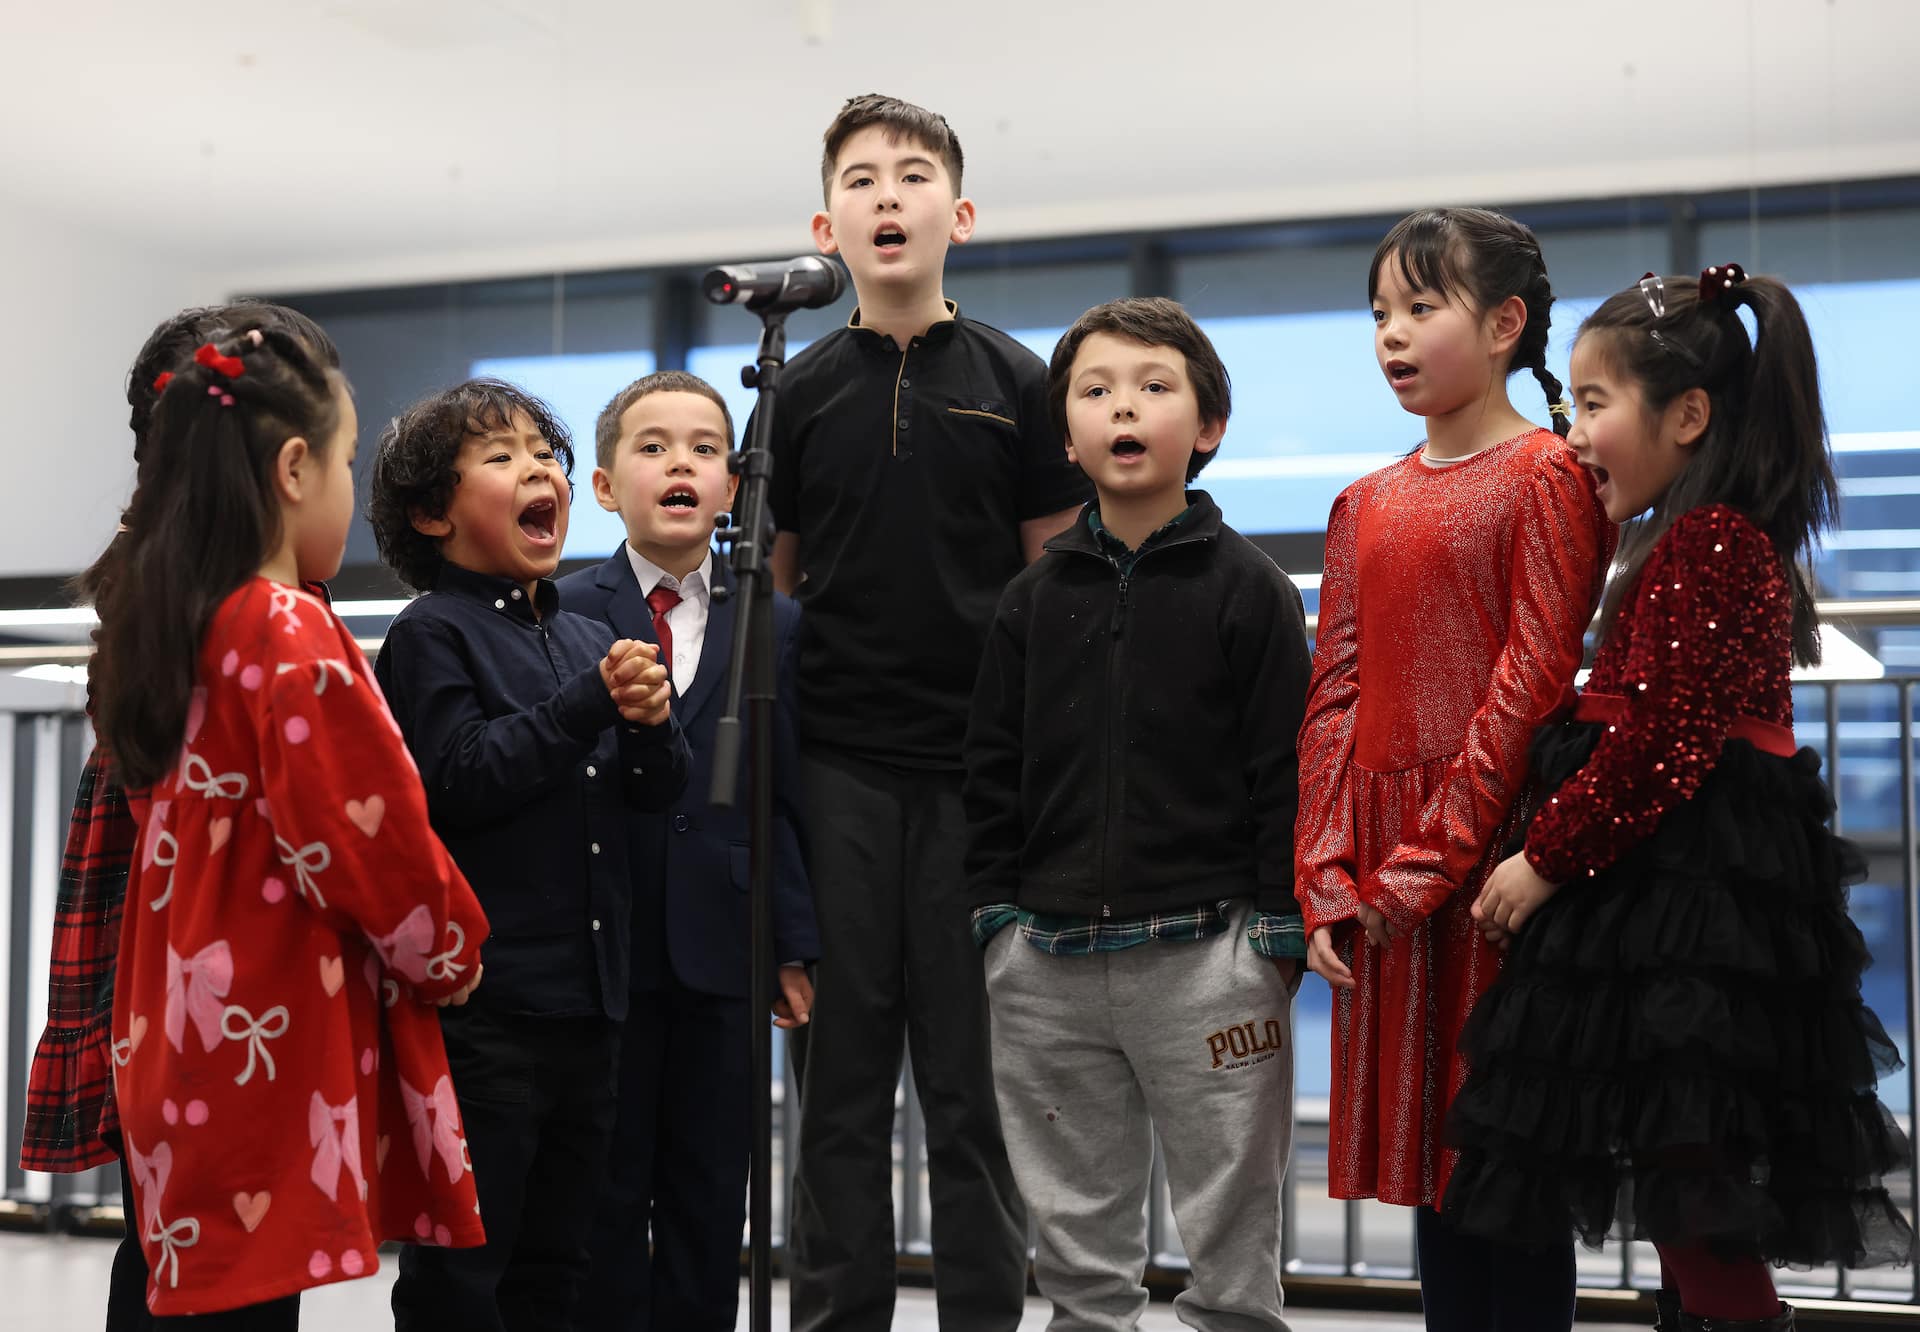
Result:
x=70 y=1085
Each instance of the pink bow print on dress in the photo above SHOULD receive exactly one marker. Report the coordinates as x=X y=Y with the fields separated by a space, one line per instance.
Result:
x=407 y=949
x=335 y=1146
x=436 y=1127
x=196 y=988
x=150 y=1171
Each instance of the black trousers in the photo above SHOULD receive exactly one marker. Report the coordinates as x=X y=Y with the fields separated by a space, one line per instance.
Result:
x=537 y=1104
x=1468 y=1284
x=898 y=965
x=677 y=1171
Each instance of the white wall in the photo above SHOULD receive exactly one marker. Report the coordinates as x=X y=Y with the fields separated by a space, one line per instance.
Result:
x=74 y=308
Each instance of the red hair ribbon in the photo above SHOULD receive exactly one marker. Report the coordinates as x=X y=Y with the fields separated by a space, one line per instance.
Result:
x=1716 y=281
x=209 y=355
x=161 y=380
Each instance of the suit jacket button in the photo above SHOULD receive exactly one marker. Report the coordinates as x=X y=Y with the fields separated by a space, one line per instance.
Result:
x=679 y=822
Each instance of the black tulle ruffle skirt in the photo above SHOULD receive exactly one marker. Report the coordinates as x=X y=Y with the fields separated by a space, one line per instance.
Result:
x=1678 y=1044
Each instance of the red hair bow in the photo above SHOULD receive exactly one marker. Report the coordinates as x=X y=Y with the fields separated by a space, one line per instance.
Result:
x=209 y=355
x=161 y=380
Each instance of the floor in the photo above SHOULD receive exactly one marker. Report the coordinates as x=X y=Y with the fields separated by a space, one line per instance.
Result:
x=57 y=1284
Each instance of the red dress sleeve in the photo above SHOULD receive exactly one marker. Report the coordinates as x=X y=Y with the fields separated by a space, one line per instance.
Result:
x=1701 y=604
x=1323 y=878
x=350 y=820
x=1557 y=557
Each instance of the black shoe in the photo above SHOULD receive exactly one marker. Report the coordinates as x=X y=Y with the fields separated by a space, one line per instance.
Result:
x=1780 y=1322
x=1666 y=1311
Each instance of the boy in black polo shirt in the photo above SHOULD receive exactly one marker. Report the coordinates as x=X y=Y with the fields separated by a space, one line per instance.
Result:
x=534 y=731
x=1132 y=779
x=915 y=472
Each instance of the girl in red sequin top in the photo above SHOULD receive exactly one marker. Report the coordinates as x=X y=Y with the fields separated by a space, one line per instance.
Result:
x=1459 y=582
x=290 y=918
x=1679 y=1026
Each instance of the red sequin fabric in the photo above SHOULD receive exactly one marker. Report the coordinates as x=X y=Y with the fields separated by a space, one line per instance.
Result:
x=1451 y=618
x=1704 y=638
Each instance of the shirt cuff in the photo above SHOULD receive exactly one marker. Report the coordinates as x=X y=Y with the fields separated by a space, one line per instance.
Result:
x=990 y=920
x=1277 y=936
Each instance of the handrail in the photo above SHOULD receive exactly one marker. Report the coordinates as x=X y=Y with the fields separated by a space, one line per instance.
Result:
x=1875 y=613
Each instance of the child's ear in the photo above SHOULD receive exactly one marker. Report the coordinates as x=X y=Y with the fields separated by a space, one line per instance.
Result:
x=1507 y=321
x=603 y=490
x=823 y=237
x=1690 y=414
x=1070 y=454
x=733 y=490
x=433 y=527
x=1211 y=433
x=293 y=469
x=963 y=220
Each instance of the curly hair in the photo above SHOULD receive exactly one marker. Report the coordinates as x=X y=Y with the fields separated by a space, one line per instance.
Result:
x=414 y=467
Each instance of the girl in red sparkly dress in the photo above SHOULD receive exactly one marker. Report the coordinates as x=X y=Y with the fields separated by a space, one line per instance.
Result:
x=1459 y=582
x=1678 y=1040
x=281 y=1080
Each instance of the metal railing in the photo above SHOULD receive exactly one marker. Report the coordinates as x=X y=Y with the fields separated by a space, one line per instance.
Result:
x=1865 y=731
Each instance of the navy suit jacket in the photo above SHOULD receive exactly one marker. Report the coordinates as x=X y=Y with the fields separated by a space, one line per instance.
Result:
x=689 y=863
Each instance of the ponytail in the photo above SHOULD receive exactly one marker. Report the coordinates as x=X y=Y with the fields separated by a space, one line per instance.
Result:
x=1765 y=450
x=202 y=518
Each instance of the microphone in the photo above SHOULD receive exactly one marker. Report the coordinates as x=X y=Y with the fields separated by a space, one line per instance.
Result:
x=806 y=283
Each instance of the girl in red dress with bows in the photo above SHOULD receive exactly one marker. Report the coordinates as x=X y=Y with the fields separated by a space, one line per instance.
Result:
x=290 y=918
x=1680 y=1024
x=1458 y=584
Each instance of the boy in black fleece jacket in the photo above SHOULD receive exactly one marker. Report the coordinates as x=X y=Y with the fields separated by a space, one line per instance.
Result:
x=1130 y=793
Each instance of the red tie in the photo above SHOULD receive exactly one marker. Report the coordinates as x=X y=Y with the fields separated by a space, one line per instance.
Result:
x=661 y=600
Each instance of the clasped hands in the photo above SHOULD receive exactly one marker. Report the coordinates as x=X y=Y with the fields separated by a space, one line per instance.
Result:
x=638 y=681
x=1508 y=899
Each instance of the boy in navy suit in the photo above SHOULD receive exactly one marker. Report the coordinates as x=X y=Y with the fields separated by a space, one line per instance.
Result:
x=681 y=1146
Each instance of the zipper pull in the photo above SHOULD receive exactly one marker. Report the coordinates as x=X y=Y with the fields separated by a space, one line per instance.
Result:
x=1120 y=609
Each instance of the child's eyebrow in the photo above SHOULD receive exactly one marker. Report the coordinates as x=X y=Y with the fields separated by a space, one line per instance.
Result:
x=873 y=169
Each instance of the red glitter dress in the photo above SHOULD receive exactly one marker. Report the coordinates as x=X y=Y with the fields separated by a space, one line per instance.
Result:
x=1678 y=1038
x=1451 y=618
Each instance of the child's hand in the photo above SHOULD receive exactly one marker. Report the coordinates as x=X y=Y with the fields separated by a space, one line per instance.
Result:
x=1514 y=891
x=1323 y=960
x=459 y=997
x=638 y=682
x=794 y=1007
x=1379 y=932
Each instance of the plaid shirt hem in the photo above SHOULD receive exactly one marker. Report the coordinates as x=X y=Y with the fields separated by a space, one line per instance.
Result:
x=70 y=1084
x=1081 y=936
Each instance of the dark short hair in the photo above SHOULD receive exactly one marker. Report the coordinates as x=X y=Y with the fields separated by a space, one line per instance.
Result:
x=414 y=472
x=1152 y=321
x=901 y=120
x=606 y=430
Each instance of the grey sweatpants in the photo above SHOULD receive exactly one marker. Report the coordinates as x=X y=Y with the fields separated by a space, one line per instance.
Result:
x=1091 y=1056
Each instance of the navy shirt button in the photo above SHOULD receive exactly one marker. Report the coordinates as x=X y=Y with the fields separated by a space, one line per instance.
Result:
x=679 y=822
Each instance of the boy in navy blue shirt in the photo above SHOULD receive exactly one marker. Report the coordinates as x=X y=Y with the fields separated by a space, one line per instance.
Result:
x=535 y=732
x=678 y=1173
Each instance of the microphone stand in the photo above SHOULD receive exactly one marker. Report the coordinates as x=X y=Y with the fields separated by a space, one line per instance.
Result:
x=750 y=672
